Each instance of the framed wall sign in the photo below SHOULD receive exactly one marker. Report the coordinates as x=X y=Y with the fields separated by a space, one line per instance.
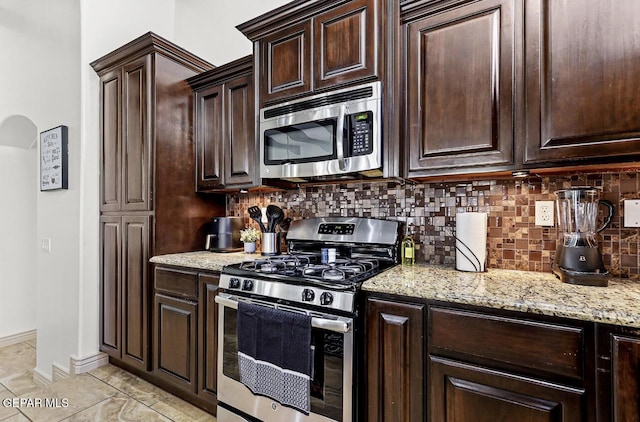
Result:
x=53 y=159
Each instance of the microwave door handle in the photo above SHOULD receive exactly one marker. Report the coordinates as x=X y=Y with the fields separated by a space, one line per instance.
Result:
x=321 y=323
x=342 y=164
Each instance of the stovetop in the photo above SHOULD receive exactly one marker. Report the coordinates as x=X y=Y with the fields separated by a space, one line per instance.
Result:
x=308 y=269
x=328 y=261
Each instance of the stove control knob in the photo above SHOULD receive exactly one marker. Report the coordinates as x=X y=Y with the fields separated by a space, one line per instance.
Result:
x=234 y=283
x=247 y=285
x=308 y=295
x=326 y=298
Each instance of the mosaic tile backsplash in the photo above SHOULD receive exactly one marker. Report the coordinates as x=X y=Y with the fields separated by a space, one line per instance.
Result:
x=429 y=211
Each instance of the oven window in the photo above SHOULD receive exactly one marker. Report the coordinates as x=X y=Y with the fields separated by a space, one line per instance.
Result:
x=327 y=373
x=301 y=143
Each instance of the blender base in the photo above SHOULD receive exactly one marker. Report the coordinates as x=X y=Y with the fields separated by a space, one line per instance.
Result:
x=582 y=278
x=580 y=265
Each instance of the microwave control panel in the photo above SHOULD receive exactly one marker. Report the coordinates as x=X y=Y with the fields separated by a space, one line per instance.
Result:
x=360 y=134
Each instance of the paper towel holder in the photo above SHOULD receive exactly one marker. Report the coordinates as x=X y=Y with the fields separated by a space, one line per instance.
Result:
x=480 y=267
x=471 y=241
x=473 y=260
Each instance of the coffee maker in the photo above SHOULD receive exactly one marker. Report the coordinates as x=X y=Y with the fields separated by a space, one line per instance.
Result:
x=224 y=234
x=578 y=259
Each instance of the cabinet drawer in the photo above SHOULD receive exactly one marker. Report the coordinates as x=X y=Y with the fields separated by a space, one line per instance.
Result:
x=177 y=283
x=508 y=343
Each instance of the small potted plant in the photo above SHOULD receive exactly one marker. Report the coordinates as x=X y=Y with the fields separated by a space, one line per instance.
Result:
x=249 y=236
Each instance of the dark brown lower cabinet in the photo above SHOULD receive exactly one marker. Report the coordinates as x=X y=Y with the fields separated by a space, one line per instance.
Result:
x=625 y=371
x=466 y=393
x=175 y=329
x=437 y=361
x=395 y=361
x=618 y=358
x=185 y=327
x=208 y=337
x=124 y=287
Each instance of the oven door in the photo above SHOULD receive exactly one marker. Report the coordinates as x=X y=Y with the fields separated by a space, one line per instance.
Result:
x=331 y=380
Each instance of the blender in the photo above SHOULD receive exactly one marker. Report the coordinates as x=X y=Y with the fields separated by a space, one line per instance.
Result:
x=578 y=259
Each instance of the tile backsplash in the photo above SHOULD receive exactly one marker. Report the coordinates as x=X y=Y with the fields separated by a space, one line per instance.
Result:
x=429 y=211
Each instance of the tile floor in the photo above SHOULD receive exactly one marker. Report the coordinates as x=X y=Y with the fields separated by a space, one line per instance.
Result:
x=104 y=394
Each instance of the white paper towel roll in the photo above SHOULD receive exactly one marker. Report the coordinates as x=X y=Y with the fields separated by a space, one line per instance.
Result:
x=471 y=239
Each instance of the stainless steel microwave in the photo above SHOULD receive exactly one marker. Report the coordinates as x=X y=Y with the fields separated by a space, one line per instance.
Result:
x=336 y=134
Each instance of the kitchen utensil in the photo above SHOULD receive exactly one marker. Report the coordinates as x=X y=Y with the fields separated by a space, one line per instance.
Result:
x=284 y=224
x=578 y=259
x=256 y=215
x=274 y=217
x=271 y=244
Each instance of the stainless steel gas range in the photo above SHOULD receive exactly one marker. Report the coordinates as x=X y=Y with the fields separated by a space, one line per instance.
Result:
x=319 y=279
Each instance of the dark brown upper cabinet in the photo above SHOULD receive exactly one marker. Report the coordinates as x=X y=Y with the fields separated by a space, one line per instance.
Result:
x=308 y=46
x=225 y=124
x=581 y=80
x=494 y=85
x=345 y=44
x=285 y=63
x=126 y=148
x=459 y=89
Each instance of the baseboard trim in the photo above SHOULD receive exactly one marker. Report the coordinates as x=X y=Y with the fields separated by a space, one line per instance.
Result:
x=86 y=364
x=59 y=373
x=18 y=338
x=42 y=380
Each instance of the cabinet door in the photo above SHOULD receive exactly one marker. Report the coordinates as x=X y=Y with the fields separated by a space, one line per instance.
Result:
x=459 y=84
x=462 y=392
x=135 y=290
x=625 y=368
x=110 y=286
x=345 y=40
x=208 y=336
x=136 y=136
x=582 y=84
x=395 y=361
x=240 y=141
x=209 y=137
x=111 y=141
x=285 y=63
x=174 y=355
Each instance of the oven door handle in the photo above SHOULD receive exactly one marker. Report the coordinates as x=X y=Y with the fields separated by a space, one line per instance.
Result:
x=321 y=323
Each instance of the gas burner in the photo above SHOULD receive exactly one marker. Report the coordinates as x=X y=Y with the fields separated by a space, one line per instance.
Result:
x=343 y=270
x=333 y=274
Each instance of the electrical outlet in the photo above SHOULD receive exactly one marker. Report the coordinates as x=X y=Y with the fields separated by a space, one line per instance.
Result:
x=631 y=213
x=45 y=245
x=544 y=213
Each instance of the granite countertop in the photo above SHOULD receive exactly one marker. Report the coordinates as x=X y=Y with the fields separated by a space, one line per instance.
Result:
x=533 y=292
x=203 y=260
x=524 y=291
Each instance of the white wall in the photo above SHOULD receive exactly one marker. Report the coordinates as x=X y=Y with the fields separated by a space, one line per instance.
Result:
x=39 y=86
x=208 y=28
x=17 y=177
x=105 y=27
x=17 y=234
x=53 y=84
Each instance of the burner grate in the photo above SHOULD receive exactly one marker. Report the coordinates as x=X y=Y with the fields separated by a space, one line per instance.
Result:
x=343 y=271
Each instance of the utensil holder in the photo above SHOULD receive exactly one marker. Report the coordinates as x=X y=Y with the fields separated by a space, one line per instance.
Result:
x=270 y=244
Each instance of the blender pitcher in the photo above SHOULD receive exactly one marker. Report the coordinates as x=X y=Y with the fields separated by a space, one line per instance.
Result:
x=578 y=259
